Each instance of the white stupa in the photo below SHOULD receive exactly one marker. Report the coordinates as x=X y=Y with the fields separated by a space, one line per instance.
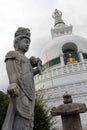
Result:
x=65 y=67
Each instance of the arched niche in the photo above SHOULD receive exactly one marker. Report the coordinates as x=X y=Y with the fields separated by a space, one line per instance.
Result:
x=70 y=49
x=70 y=45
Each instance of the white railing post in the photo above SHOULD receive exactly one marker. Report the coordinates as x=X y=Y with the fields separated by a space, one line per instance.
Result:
x=80 y=55
x=61 y=59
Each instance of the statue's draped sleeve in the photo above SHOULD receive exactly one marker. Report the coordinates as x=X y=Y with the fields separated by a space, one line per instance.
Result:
x=9 y=59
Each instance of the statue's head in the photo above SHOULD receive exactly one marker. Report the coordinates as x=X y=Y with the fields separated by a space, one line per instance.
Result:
x=56 y=10
x=19 y=35
x=70 y=55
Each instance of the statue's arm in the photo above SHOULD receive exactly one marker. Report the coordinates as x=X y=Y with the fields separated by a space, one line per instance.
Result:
x=11 y=71
x=10 y=59
x=13 y=88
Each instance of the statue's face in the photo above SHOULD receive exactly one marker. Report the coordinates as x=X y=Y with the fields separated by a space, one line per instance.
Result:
x=69 y=55
x=24 y=45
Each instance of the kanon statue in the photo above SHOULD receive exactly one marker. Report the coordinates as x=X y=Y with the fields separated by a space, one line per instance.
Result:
x=21 y=89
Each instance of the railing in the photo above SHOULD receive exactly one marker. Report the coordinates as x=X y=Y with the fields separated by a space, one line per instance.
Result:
x=77 y=89
x=61 y=71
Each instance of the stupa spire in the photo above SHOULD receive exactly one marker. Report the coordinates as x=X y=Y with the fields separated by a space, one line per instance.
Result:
x=60 y=28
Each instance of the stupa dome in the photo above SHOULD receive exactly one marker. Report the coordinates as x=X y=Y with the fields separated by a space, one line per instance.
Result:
x=56 y=46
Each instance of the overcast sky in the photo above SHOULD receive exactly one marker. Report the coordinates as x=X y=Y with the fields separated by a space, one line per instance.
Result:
x=37 y=16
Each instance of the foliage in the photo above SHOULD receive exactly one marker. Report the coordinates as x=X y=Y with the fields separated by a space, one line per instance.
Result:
x=42 y=120
x=3 y=106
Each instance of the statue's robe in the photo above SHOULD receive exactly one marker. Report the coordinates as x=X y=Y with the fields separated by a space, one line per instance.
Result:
x=20 y=71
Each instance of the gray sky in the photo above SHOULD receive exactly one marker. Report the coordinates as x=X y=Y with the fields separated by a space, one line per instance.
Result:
x=36 y=15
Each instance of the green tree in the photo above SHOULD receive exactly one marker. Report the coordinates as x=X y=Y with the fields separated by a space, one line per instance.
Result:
x=42 y=120
x=3 y=106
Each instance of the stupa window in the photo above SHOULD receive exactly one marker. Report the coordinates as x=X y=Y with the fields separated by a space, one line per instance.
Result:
x=85 y=55
x=52 y=63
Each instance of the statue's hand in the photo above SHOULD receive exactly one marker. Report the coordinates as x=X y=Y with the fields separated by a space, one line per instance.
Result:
x=13 y=90
x=33 y=61
x=39 y=65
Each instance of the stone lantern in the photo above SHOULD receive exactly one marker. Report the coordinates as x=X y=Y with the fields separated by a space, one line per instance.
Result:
x=70 y=113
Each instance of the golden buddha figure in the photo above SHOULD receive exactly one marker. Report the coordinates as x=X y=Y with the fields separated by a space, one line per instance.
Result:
x=71 y=59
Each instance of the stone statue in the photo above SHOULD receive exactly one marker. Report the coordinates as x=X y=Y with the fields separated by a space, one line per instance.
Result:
x=57 y=16
x=21 y=90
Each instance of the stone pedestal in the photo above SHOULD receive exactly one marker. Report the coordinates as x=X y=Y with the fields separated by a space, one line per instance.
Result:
x=71 y=122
